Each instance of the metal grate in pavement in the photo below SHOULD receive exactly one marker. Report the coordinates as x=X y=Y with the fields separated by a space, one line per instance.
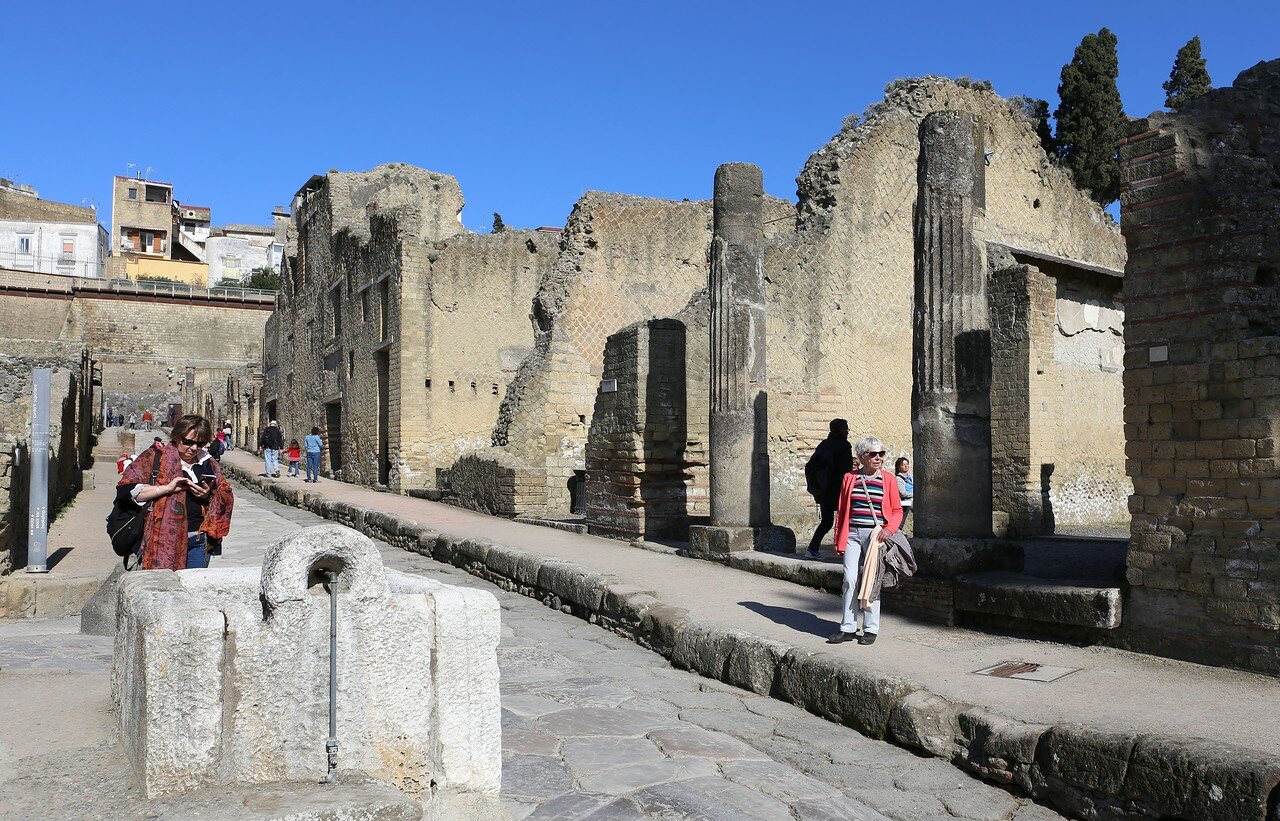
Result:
x=1026 y=671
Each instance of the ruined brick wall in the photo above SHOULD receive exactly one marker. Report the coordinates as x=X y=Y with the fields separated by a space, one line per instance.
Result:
x=621 y=259
x=635 y=455
x=840 y=291
x=496 y=482
x=1201 y=214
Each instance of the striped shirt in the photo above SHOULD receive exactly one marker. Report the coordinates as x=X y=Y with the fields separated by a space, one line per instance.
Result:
x=866 y=507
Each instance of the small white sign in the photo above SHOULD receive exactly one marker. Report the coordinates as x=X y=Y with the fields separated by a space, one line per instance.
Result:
x=608 y=385
x=1158 y=353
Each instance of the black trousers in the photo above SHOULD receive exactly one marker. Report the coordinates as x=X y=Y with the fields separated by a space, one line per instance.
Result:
x=828 y=508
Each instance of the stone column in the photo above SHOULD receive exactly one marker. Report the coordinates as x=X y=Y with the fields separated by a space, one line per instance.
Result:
x=950 y=400
x=739 y=458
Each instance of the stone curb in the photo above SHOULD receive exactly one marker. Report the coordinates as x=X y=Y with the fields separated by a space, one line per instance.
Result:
x=1084 y=772
x=40 y=596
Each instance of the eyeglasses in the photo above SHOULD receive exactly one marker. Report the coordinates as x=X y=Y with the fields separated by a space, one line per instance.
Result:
x=191 y=443
x=879 y=453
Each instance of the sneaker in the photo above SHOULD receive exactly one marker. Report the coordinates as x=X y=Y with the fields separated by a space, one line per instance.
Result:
x=813 y=554
x=842 y=637
x=867 y=638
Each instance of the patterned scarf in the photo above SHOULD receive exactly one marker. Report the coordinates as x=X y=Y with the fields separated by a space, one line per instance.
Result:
x=164 y=535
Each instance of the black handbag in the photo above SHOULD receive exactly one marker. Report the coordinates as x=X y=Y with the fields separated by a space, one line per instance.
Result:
x=126 y=521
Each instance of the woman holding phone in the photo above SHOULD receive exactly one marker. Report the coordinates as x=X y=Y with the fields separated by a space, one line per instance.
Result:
x=190 y=501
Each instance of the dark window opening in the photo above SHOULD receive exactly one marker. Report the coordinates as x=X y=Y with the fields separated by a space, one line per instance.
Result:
x=577 y=492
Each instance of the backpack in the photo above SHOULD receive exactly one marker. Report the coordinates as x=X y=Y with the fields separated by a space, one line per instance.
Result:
x=817 y=471
x=125 y=522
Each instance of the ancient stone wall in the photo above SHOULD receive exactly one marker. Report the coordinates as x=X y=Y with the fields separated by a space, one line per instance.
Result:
x=1201 y=214
x=494 y=481
x=636 y=466
x=1055 y=395
x=622 y=259
x=840 y=288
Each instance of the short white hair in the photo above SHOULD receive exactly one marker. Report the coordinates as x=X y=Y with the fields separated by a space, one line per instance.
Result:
x=867 y=443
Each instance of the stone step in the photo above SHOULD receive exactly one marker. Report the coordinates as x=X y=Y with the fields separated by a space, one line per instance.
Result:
x=1038 y=601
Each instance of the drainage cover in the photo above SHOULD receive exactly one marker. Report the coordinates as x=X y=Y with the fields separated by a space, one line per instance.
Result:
x=1026 y=671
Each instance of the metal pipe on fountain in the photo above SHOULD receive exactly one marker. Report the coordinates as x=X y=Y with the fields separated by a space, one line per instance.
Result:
x=331 y=746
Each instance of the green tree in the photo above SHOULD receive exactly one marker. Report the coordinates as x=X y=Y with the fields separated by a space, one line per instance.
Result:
x=1037 y=113
x=1189 y=78
x=1088 y=116
x=265 y=279
x=498 y=224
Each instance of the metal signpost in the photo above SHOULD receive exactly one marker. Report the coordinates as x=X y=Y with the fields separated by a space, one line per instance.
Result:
x=38 y=495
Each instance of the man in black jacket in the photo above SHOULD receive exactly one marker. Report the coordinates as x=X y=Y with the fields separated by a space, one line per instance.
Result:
x=831 y=460
x=271 y=440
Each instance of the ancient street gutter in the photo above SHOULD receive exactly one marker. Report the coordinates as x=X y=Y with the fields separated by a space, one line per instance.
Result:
x=1081 y=771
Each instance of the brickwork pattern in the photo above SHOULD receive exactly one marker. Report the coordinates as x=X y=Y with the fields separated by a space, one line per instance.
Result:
x=1202 y=375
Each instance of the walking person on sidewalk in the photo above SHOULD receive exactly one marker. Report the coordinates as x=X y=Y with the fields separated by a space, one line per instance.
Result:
x=295 y=456
x=271 y=440
x=906 y=486
x=831 y=460
x=869 y=513
x=192 y=501
x=314 y=444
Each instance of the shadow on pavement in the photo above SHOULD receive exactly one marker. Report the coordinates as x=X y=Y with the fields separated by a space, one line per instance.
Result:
x=801 y=621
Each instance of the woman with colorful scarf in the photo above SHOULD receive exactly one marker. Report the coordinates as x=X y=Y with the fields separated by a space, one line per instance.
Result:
x=190 y=500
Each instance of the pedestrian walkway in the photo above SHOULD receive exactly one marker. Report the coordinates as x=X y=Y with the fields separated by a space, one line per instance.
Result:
x=1113 y=690
x=593 y=727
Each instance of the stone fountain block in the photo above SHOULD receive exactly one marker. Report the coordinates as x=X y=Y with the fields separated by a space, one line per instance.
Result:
x=221 y=676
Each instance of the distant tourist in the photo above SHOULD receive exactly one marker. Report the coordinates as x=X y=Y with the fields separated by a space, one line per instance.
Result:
x=133 y=420
x=226 y=435
x=906 y=486
x=868 y=514
x=187 y=527
x=111 y=417
x=314 y=444
x=831 y=460
x=295 y=456
x=271 y=440
x=147 y=419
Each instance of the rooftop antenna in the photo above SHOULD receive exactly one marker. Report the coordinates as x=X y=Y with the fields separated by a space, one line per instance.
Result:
x=129 y=165
x=146 y=175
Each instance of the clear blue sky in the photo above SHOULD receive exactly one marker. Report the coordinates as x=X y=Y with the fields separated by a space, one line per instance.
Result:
x=527 y=104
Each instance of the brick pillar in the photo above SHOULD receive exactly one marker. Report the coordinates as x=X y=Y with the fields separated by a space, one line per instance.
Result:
x=1200 y=210
x=950 y=402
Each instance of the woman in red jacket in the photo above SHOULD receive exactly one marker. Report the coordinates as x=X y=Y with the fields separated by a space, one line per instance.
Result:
x=868 y=496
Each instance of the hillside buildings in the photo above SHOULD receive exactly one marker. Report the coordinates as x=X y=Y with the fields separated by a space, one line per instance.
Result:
x=49 y=237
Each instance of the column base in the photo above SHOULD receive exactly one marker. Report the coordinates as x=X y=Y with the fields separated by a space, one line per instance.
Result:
x=717 y=540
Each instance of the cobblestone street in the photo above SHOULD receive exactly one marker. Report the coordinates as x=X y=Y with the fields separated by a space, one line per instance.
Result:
x=594 y=727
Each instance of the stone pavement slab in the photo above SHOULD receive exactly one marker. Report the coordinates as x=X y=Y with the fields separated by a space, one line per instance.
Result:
x=592 y=726
x=754 y=630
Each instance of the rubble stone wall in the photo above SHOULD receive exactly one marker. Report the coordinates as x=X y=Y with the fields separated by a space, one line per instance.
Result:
x=1200 y=206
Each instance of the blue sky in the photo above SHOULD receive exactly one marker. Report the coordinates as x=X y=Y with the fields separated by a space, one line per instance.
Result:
x=527 y=104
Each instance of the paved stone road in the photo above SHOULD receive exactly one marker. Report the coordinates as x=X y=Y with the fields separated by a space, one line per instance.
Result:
x=594 y=728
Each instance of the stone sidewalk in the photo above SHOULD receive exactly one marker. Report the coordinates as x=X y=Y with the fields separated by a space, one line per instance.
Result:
x=1117 y=730
x=593 y=727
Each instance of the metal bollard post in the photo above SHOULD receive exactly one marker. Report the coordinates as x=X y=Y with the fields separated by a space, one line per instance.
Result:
x=38 y=492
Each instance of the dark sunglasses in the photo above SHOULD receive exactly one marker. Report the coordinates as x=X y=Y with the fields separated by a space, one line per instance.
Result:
x=879 y=453
x=191 y=443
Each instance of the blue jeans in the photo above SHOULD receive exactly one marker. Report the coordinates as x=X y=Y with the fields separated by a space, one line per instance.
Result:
x=272 y=458
x=853 y=553
x=313 y=465
x=197 y=551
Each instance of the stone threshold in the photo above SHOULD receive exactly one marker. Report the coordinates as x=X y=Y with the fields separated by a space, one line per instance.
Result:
x=1082 y=771
x=41 y=596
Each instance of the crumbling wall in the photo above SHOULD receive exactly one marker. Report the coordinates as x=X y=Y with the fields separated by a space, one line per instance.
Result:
x=1201 y=214
x=621 y=259
x=496 y=482
x=840 y=291
x=353 y=288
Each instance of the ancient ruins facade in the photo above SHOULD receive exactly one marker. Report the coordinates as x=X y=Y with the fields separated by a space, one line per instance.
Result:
x=1200 y=212
x=422 y=349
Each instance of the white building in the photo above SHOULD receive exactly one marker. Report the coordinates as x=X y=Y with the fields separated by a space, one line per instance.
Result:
x=49 y=237
x=233 y=252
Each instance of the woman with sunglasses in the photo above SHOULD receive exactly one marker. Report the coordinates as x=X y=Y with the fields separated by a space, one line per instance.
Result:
x=190 y=502
x=868 y=498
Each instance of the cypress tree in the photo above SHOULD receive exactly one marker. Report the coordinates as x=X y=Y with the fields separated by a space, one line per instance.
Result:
x=498 y=224
x=1089 y=114
x=1189 y=78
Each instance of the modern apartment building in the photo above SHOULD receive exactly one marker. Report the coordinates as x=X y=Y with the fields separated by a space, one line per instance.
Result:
x=142 y=218
x=49 y=237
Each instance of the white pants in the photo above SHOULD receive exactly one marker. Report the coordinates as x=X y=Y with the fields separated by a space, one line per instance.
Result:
x=853 y=551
